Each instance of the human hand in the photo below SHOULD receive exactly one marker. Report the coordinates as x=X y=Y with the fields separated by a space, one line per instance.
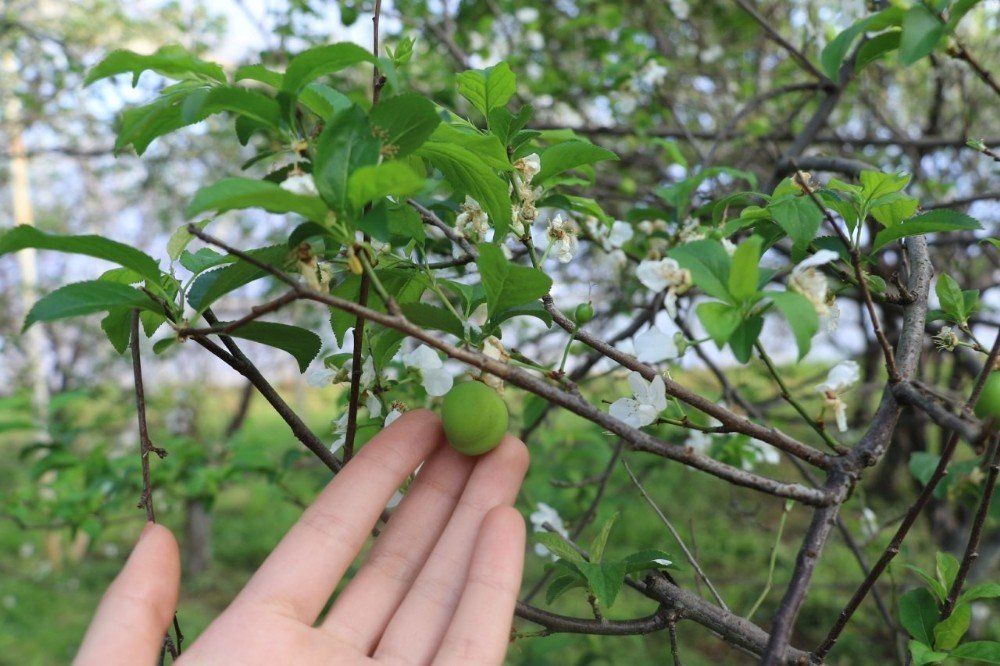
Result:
x=438 y=586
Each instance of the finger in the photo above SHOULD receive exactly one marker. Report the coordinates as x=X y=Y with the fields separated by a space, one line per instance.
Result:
x=416 y=630
x=480 y=631
x=298 y=577
x=132 y=618
x=362 y=611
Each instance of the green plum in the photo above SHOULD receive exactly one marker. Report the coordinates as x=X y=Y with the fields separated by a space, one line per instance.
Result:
x=475 y=418
x=988 y=405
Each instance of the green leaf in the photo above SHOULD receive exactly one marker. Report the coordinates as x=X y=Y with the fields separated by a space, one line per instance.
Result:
x=799 y=217
x=981 y=591
x=396 y=223
x=561 y=584
x=957 y=11
x=988 y=651
x=203 y=259
x=932 y=583
x=948 y=632
x=743 y=338
x=465 y=172
x=172 y=61
x=214 y=284
x=310 y=65
x=238 y=193
x=923 y=654
x=922 y=30
x=558 y=546
x=876 y=48
x=485 y=147
x=81 y=298
x=708 y=263
x=533 y=309
x=250 y=103
x=141 y=125
x=744 y=272
x=893 y=209
x=922 y=465
x=946 y=567
x=117 y=325
x=645 y=560
x=508 y=285
x=834 y=53
x=259 y=72
x=345 y=145
x=918 y=613
x=25 y=236
x=600 y=541
x=304 y=345
x=720 y=320
x=179 y=240
x=933 y=221
x=406 y=285
x=488 y=88
x=426 y=315
x=569 y=155
x=323 y=100
x=876 y=184
x=604 y=580
x=800 y=315
x=373 y=182
x=404 y=123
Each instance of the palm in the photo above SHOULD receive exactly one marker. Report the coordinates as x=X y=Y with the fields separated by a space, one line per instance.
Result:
x=439 y=584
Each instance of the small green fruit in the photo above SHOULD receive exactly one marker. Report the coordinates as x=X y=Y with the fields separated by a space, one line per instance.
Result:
x=988 y=405
x=475 y=418
x=584 y=313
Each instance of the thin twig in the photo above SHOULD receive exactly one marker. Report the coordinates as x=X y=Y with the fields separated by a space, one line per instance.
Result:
x=145 y=445
x=677 y=537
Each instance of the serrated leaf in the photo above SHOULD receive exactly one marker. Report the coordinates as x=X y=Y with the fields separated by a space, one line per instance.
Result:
x=179 y=240
x=720 y=320
x=345 y=145
x=744 y=271
x=467 y=174
x=404 y=123
x=321 y=61
x=82 y=298
x=933 y=221
x=172 y=61
x=426 y=315
x=600 y=541
x=708 y=263
x=645 y=560
x=981 y=591
x=558 y=546
x=210 y=286
x=117 y=325
x=25 y=236
x=508 y=285
x=604 y=580
x=203 y=259
x=302 y=344
x=799 y=217
x=561 y=584
x=743 y=338
x=239 y=193
x=918 y=613
x=373 y=182
x=932 y=583
x=488 y=88
x=801 y=316
x=250 y=103
x=569 y=155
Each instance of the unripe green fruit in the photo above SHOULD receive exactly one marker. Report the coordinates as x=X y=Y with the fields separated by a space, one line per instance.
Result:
x=475 y=418
x=988 y=405
x=584 y=313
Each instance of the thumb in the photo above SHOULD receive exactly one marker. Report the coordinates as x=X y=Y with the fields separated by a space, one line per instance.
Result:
x=135 y=612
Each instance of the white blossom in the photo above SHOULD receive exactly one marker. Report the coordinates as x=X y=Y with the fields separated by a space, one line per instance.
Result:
x=542 y=514
x=665 y=274
x=472 y=221
x=320 y=377
x=680 y=9
x=652 y=74
x=728 y=246
x=808 y=280
x=528 y=166
x=649 y=399
x=373 y=404
x=391 y=417
x=562 y=238
x=691 y=231
x=494 y=349
x=300 y=183
x=621 y=233
x=653 y=346
x=842 y=376
x=340 y=432
x=698 y=440
x=434 y=377
x=763 y=453
x=869 y=523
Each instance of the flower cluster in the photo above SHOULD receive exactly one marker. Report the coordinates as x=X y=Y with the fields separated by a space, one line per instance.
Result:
x=842 y=377
x=472 y=221
x=665 y=274
x=562 y=238
x=523 y=214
